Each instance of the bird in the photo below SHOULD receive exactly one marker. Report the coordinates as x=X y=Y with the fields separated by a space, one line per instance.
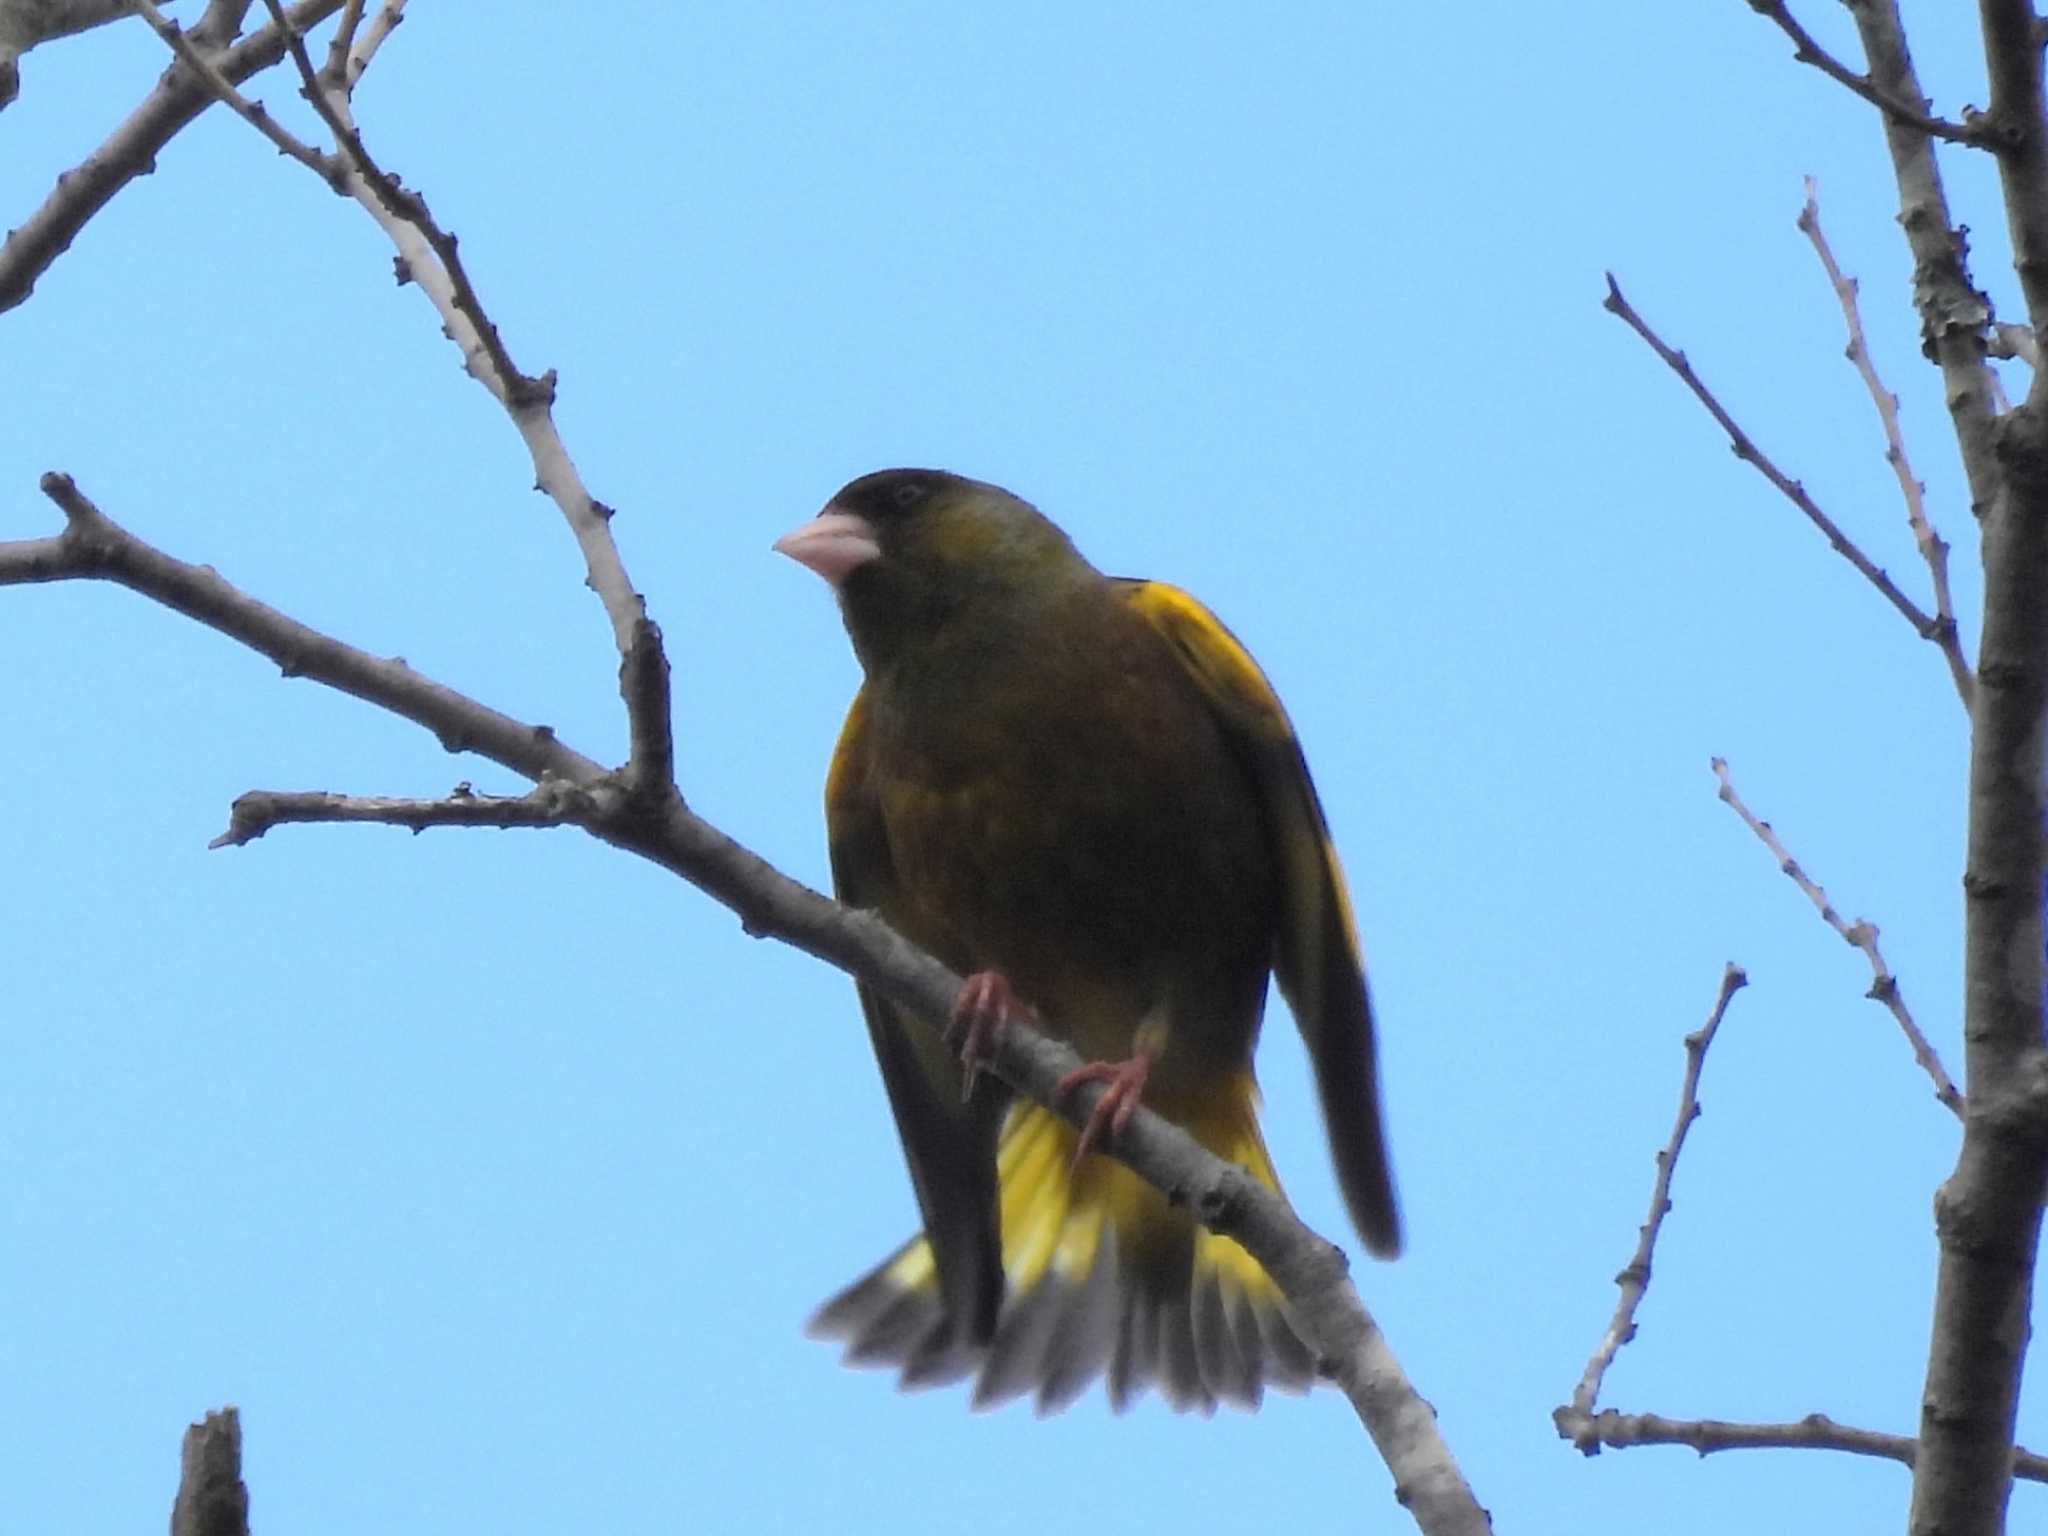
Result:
x=1080 y=793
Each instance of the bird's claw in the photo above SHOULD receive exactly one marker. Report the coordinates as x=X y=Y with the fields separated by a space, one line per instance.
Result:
x=1124 y=1086
x=985 y=1004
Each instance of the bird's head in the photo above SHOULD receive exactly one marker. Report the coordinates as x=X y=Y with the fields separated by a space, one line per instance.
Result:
x=911 y=551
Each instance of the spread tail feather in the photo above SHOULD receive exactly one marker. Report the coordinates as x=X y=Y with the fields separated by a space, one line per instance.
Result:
x=1102 y=1276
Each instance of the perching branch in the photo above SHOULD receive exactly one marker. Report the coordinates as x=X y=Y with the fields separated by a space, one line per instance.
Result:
x=1310 y=1271
x=1924 y=624
x=1861 y=934
x=1933 y=548
x=1574 y=1421
x=1807 y=50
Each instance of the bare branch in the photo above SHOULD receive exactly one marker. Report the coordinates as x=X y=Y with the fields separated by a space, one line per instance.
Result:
x=502 y=375
x=253 y=113
x=26 y=23
x=94 y=546
x=2019 y=114
x=1933 y=548
x=1954 y=315
x=2016 y=342
x=336 y=67
x=1988 y=1213
x=219 y=24
x=388 y=18
x=1310 y=1271
x=212 y=1500
x=131 y=151
x=1861 y=934
x=428 y=255
x=1815 y=1432
x=1807 y=50
x=1924 y=624
x=1634 y=1278
x=643 y=683
x=549 y=804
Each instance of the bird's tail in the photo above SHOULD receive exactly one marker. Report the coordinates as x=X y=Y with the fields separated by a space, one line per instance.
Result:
x=1102 y=1277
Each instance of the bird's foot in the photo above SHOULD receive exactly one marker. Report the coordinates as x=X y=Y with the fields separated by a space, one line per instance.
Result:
x=1125 y=1085
x=986 y=1002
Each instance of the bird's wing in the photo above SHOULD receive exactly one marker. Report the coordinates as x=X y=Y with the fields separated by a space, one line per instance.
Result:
x=1318 y=964
x=948 y=1136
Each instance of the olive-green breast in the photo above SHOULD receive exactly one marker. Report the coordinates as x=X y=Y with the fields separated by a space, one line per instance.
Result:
x=1061 y=805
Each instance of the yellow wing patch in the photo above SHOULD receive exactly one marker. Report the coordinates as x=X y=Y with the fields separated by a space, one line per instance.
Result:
x=1214 y=657
x=1317 y=962
x=1240 y=693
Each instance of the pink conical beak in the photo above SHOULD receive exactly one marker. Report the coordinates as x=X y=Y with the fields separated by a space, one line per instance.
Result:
x=832 y=543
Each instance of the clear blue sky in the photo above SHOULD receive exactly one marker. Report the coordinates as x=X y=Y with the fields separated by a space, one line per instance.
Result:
x=492 y=1175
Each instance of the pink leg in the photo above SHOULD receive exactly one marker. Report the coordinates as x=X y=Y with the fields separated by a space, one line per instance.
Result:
x=1113 y=1111
x=986 y=1002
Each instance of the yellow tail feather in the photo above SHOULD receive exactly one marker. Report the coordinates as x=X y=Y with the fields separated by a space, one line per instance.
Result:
x=1102 y=1274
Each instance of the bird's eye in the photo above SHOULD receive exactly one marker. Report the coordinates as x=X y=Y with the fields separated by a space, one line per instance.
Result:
x=910 y=494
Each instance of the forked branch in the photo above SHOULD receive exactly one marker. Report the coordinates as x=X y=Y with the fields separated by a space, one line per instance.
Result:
x=1925 y=624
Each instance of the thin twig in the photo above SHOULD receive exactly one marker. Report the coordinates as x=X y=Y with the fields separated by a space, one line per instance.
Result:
x=428 y=256
x=130 y=151
x=93 y=546
x=551 y=803
x=1933 y=548
x=1634 y=1278
x=1861 y=934
x=254 y=113
x=1815 y=1432
x=1924 y=624
x=1807 y=50
x=336 y=67
x=401 y=202
x=388 y=18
